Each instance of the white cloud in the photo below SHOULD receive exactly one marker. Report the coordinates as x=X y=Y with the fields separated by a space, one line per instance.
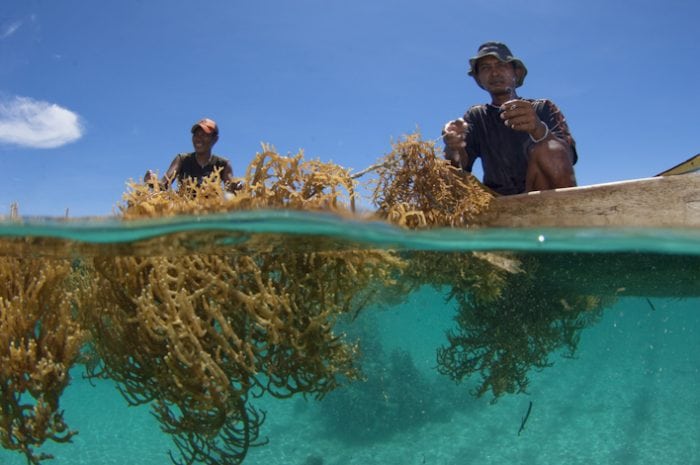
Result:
x=7 y=31
x=31 y=123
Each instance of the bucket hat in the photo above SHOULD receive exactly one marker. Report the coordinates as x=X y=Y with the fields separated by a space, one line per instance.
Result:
x=500 y=51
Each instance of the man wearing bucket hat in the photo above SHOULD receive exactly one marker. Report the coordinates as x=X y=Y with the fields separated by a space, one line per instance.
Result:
x=524 y=144
x=200 y=163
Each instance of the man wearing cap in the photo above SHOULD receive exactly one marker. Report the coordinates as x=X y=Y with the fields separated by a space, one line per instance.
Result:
x=200 y=163
x=524 y=144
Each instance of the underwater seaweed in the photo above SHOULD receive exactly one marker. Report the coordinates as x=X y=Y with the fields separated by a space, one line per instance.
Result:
x=501 y=337
x=200 y=335
x=40 y=340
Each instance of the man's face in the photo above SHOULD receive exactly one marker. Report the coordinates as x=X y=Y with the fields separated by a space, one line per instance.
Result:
x=496 y=76
x=203 y=142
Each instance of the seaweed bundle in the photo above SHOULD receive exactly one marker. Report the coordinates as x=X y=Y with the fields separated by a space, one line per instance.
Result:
x=418 y=188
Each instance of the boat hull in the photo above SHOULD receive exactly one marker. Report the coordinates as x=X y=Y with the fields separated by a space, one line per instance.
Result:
x=659 y=202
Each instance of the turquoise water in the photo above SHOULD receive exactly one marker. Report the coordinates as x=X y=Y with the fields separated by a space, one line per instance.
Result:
x=237 y=226
x=629 y=395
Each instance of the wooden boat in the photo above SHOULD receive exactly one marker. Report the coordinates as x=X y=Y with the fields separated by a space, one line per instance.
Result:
x=668 y=200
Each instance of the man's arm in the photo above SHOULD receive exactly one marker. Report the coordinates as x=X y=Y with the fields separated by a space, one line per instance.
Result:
x=150 y=177
x=542 y=120
x=555 y=120
x=172 y=172
x=552 y=153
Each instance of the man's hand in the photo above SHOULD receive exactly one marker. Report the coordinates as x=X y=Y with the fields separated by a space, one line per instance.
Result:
x=453 y=134
x=234 y=186
x=520 y=115
x=150 y=178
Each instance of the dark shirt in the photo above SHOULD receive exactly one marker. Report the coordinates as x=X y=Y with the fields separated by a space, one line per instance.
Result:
x=189 y=168
x=504 y=151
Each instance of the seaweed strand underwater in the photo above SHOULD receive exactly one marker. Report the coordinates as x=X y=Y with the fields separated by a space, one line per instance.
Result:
x=199 y=337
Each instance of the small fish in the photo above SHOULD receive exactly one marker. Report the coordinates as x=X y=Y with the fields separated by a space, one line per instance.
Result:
x=650 y=304
x=524 y=420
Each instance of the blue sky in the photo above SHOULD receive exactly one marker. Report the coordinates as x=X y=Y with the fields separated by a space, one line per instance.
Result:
x=94 y=93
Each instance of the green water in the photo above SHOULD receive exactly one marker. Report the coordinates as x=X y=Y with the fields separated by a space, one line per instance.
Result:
x=629 y=394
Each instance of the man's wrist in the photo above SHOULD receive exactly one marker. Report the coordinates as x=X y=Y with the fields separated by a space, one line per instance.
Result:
x=544 y=135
